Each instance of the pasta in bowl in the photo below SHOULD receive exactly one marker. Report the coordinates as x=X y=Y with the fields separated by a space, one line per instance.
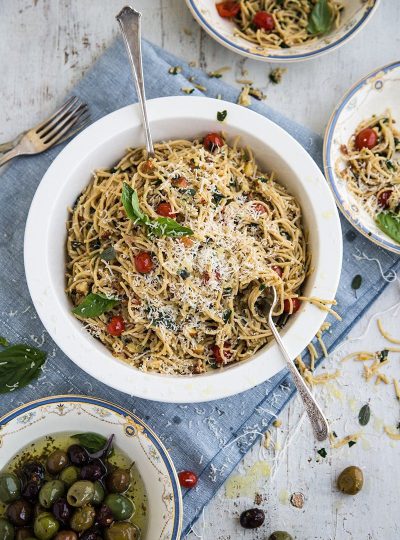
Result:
x=235 y=220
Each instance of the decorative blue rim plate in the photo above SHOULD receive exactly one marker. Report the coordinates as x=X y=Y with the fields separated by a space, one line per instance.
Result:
x=64 y=413
x=221 y=31
x=375 y=93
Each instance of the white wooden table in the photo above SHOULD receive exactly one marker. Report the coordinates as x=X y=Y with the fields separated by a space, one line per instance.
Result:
x=45 y=47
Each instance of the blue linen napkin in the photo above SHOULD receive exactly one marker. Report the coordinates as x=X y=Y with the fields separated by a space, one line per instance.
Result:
x=209 y=438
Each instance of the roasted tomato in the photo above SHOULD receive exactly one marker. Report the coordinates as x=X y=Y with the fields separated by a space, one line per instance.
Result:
x=367 y=138
x=264 y=20
x=143 y=262
x=116 y=326
x=383 y=198
x=227 y=10
x=213 y=141
x=259 y=208
x=296 y=303
x=217 y=353
x=278 y=270
x=165 y=209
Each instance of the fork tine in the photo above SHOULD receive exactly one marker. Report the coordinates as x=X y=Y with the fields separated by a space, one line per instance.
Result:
x=56 y=135
x=60 y=111
x=75 y=113
x=68 y=113
x=82 y=125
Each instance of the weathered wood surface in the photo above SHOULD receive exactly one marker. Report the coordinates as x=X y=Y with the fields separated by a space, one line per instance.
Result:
x=45 y=47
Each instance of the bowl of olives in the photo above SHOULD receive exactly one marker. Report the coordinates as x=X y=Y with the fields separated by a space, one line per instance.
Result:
x=78 y=468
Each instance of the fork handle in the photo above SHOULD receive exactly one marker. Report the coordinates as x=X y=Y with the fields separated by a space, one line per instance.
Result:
x=130 y=22
x=316 y=416
x=10 y=155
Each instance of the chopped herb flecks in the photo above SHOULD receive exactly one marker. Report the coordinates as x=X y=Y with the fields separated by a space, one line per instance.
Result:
x=221 y=115
x=174 y=70
x=322 y=452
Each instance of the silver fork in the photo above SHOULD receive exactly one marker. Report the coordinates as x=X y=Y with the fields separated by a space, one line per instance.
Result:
x=63 y=124
x=315 y=414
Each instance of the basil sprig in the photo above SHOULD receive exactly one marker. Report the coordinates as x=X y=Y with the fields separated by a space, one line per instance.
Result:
x=321 y=18
x=162 y=226
x=94 y=305
x=389 y=223
x=93 y=442
x=19 y=365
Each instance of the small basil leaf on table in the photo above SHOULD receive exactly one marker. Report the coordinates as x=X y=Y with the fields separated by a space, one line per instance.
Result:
x=356 y=282
x=108 y=254
x=93 y=442
x=364 y=415
x=94 y=305
x=4 y=342
x=321 y=18
x=221 y=115
x=389 y=223
x=19 y=365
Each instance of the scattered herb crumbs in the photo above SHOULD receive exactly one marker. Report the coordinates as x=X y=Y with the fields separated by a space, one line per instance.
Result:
x=174 y=70
x=382 y=355
x=389 y=165
x=184 y=274
x=244 y=99
x=221 y=115
x=187 y=90
x=364 y=415
x=226 y=315
x=334 y=434
x=200 y=87
x=217 y=73
x=356 y=282
x=257 y=93
x=352 y=443
x=322 y=452
x=4 y=342
x=276 y=75
x=262 y=287
x=263 y=180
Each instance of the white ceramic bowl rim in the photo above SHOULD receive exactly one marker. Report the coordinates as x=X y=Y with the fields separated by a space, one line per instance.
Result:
x=47 y=285
x=223 y=40
x=146 y=431
x=330 y=168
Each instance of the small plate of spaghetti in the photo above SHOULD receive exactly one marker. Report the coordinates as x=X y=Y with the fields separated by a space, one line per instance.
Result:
x=362 y=156
x=282 y=30
x=152 y=273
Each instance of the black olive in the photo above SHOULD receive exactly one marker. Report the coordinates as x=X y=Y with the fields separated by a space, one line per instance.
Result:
x=104 y=516
x=23 y=534
x=95 y=244
x=92 y=534
x=30 y=491
x=62 y=511
x=253 y=518
x=78 y=455
x=33 y=471
x=20 y=513
x=75 y=244
x=93 y=471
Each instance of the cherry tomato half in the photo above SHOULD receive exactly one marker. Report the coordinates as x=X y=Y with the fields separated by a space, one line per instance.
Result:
x=165 y=209
x=259 y=208
x=217 y=353
x=212 y=141
x=367 y=138
x=278 y=270
x=186 y=241
x=296 y=303
x=180 y=182
x=187 y=479
x=264 y=20
x=383 y=198
x=143 y=262
x=116 y=326
x=228 y=9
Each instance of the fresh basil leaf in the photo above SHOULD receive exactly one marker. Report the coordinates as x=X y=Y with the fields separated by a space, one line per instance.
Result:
x=4 y=342
x=94 y=305
x=93 y=442
x=364 y=415
x=356 y=282
x=130 y=202
x=389 y=223
x=321 y=18
x=19 y=365
x=221 y=115
x=322 y=452
x=108 y=254
x=352 y=443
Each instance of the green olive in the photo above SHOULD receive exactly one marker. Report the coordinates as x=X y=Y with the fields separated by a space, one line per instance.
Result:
x=122 y=531
x=23 y=534
x=69 y=475
x=50 y=492
x=118 y=481
x=83 y=518
x=121 y=507
x=99 y=493
x=46 y=526
x=9 y=488
x=351 y=480
x=280 y=535
x=66 y=535
x=6 y=529
x=80 y=493
x=57 y=461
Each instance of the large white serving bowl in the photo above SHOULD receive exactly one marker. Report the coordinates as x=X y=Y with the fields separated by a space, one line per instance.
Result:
x=355 y=16
x=101 y=145
x=77 y=414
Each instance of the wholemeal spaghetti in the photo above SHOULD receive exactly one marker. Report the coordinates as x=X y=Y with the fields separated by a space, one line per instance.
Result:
x=197 y=302
x=371 y=171
x=275 y=24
